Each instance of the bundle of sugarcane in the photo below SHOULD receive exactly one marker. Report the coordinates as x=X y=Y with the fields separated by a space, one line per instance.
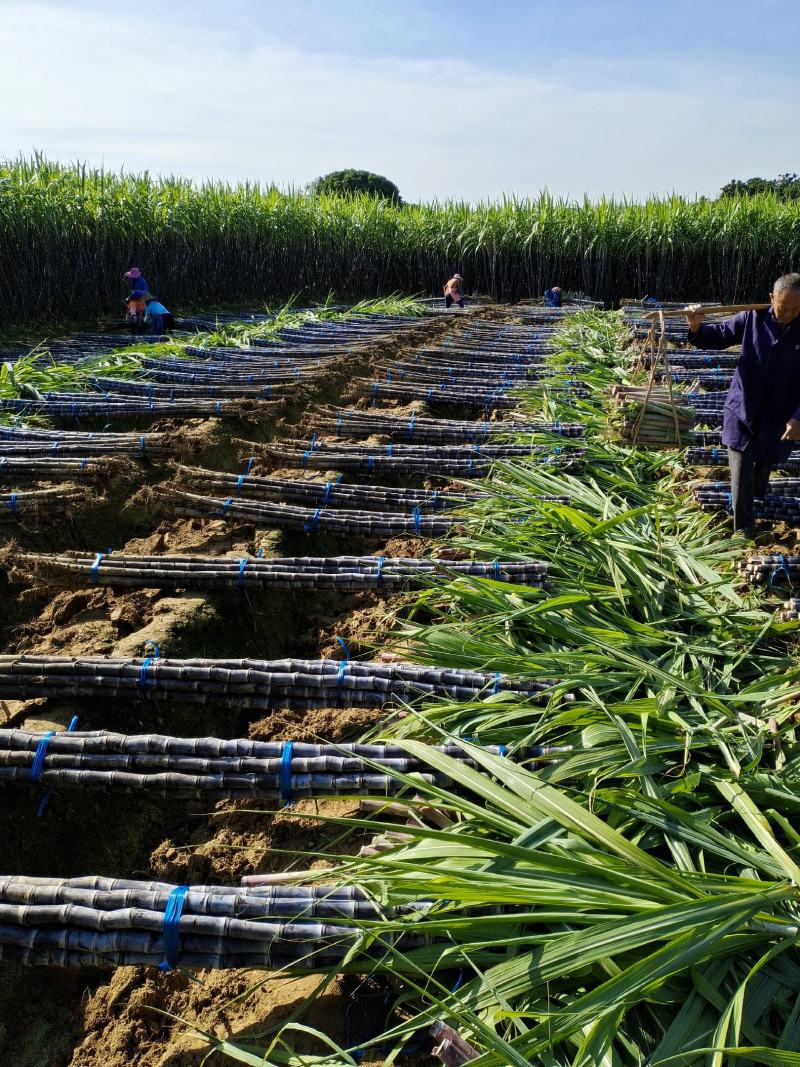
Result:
x=188 y=391
x=99 y=405
x=345 y=573
x=157 y=765
x=465 y=376
x=652 y=416
x=318 y=493
x=718 y=457
x=219 y=372
x=704 y=401
x=248 y=683
x=689 y=359
x=102 y=922
x=25 y=440
x=770 y=568
x=309 y=520
x=435 y=431
x=488 y=399
x=257 y=356
x=514 y=366
x=705 y=438
x=791 y=610
x=454 y=461
x=40 y=505
x=777 y=486
x=772 y=506
x=711 y=379
x=26 y=468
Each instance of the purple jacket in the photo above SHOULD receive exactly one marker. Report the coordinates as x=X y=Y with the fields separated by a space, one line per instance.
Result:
x=765 y=391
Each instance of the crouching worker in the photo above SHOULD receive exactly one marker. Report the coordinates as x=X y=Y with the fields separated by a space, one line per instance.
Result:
x=552 y=296
x=136 y=308
x=156 y=317
x=761 y=418
x=454 y=292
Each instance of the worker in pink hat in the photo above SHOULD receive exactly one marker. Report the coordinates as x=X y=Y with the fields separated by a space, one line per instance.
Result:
x=138 y=283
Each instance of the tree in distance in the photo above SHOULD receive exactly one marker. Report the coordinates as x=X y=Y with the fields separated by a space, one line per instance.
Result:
x=784 y=187
x=350 y=182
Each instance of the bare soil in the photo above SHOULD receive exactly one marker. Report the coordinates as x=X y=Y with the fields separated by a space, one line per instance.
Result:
x=94 y=1018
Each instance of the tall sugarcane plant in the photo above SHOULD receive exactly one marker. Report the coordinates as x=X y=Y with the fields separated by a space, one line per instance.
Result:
x=68 y=233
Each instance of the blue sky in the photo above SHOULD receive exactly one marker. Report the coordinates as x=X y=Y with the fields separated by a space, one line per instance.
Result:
x=468 y=100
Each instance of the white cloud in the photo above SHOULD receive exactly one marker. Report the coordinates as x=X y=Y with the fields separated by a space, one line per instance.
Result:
x=177 y=95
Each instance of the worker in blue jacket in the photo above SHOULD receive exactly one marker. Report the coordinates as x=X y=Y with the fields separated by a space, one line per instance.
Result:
x=552 y=296
x=761 y=418
x=137 y=282
x=157 y=318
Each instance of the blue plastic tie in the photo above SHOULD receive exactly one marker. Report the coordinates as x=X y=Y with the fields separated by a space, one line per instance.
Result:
x=242 y=564
x=389 y=450
x=375 y=394
x=285 y=776
x=55 y=446
x=226 y=505
x=417 y=516
x=730 y=501
x=370 y=462
x=82 y=464
x=218 y=408
x=172 y=920
x=38 y=759
x=496 y=686
x=380 y=569
x=249 y=465
x=327 y=496
x=38 y=764
x=783 y=568
x=411 y=424
x=95 y=571
x=260 y=553
x=306 y=454
x=311 y=526
x=339 y=422
x=12 y=503
x=435 y=500
x=343 y=665
x=266 y=391
x=497 y=570
x=502 y=750
x=240 y=481
x=143 y=673
x=313 y=441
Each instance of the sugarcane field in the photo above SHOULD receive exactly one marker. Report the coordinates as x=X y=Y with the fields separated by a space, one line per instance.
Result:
x=399 y=583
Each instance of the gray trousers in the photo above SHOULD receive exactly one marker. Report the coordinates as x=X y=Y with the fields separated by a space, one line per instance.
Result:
x=749 y=478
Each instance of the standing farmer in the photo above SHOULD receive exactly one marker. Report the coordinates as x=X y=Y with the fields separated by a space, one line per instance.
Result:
x=454 y=292
x=762 y=408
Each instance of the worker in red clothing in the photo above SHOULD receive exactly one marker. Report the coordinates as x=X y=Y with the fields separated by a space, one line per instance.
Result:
x=454 y=292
